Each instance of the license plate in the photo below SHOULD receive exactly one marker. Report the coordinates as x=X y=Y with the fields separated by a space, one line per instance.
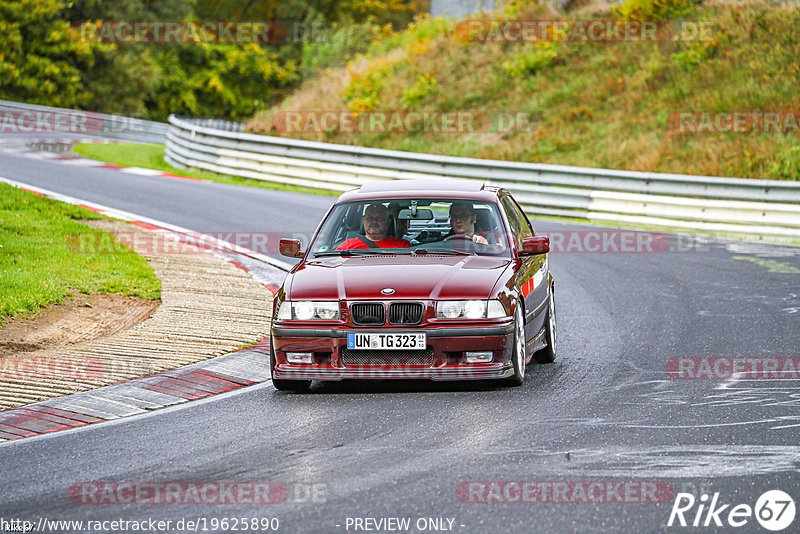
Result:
x=404 y=341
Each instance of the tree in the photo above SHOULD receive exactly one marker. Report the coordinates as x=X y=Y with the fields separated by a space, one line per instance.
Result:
x=219 y=80
x=39 y=58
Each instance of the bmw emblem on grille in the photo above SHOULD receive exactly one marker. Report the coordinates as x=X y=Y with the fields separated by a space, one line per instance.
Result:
x=387 y=291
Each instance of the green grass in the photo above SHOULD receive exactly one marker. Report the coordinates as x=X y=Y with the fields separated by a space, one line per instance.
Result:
x=152 y=157
x=39 y=259
x=592 y=104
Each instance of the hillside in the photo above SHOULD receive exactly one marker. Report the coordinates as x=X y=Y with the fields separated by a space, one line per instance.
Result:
x=679 y=102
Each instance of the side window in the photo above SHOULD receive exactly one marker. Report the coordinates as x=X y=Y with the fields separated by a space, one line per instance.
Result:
x=513 y=220
x=525 y=224
x=350 y=224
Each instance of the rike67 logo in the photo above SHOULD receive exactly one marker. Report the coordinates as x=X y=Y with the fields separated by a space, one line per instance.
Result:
x=774 y=510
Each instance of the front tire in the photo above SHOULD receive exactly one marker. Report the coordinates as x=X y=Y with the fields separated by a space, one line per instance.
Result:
x=518 y=355
x=548 y=354
x=285 y=385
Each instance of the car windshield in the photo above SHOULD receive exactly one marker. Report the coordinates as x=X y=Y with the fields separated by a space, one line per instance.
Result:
x=412 y=226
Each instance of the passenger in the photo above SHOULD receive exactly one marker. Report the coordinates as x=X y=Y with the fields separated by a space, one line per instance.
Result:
x=376 y=226
x=463 y=219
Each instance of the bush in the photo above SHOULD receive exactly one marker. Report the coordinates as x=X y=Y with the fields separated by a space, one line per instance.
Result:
x=363 y=93
x=787 y=165
x=40 y=61
x=531 y=62
x=217 y=80
x=423 y=29
x=654 y=10
x=515 y=9
x=423 y=87
x=697 y=52
x=44 y=60
x=335 y=47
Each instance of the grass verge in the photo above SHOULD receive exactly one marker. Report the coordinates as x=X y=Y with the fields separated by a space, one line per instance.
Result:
x=152 y=157
x=39 y=264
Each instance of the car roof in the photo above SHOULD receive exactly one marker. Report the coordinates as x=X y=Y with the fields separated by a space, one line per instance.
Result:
x=444 y=187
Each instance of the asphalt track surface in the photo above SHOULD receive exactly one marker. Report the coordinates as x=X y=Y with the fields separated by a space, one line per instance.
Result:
x=606 y=410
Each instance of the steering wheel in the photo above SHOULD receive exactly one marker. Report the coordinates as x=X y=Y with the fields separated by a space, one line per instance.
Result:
x=457 y=236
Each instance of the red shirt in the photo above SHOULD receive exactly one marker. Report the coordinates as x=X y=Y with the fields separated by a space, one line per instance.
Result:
x=355 y=243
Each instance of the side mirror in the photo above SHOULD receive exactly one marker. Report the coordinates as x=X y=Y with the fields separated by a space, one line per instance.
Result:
x=531 y=246
x=291 y=248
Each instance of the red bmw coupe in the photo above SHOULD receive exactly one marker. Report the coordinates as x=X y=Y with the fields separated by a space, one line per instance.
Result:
x=421 y=279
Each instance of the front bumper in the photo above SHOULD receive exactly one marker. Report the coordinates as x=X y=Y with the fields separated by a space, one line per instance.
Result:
x=448 y=345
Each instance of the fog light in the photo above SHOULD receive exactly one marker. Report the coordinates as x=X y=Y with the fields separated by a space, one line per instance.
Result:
x=479 y=357
x=299 y=357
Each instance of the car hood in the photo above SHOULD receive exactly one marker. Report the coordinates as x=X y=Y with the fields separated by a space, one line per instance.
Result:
x=412 y=277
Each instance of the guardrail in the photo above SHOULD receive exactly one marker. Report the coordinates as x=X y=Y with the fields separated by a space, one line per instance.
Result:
x=763 y=208
x=21 y=118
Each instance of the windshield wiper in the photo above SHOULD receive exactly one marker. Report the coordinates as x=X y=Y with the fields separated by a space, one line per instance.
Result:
x=450 y=251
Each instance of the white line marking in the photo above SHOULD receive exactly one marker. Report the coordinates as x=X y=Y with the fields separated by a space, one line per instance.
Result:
x=141 y=171
x=82 y=161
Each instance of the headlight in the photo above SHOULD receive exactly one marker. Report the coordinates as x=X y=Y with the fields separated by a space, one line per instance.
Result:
x=308 y=310
x=303 y=310
x=470 y=309
x=449 y=309
x=475 y=309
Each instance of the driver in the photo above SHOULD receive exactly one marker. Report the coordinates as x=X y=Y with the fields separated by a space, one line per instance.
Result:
x=463 y=219
x=376 y=226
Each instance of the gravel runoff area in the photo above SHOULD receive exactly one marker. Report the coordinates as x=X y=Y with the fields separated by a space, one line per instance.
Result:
x=209 y=307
